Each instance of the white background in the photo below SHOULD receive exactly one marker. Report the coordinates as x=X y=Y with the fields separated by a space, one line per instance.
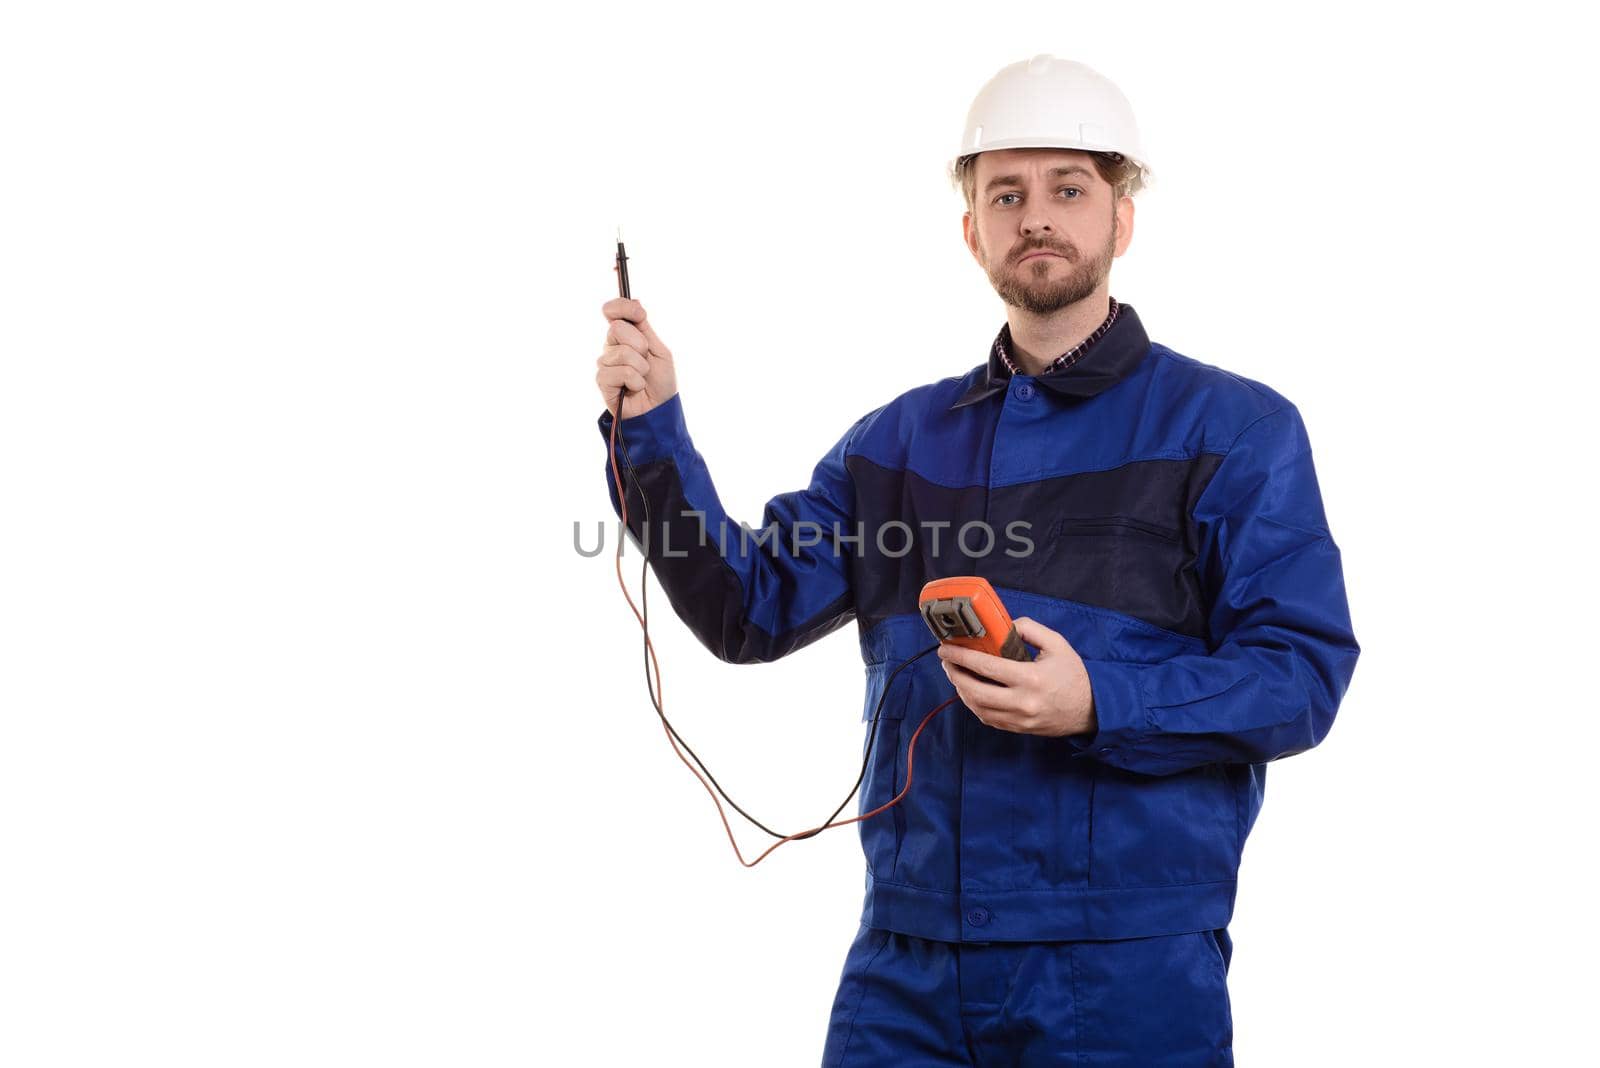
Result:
x=322 y=745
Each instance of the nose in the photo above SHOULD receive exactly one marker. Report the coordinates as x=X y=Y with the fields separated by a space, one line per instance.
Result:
x=1036 y=222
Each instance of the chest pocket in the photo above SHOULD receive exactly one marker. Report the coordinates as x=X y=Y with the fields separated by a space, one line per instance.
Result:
x=1111 y=526
x=1121 y=539
x=1128 y=565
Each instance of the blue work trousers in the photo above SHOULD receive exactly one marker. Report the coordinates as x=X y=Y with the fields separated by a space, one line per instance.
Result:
x=910 y=1002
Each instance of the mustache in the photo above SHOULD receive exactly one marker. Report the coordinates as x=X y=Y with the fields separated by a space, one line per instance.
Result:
x=1066 y=252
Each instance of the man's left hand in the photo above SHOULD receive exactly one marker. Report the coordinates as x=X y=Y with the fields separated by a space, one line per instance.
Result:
x=1048 y=695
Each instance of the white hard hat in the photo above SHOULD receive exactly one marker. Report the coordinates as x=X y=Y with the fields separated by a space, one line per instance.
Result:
x=1045 y=102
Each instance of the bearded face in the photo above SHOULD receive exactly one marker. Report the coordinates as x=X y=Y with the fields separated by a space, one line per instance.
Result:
x=1045 y=226
x=1055 y=274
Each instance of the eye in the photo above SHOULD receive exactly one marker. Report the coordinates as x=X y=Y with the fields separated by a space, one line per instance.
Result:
x=999 y=200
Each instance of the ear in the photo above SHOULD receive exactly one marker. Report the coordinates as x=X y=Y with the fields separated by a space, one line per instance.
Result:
x=1124 y=210
x=969 y=234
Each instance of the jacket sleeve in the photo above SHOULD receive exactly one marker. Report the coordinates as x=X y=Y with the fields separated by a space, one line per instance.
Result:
x=750 y=596
x=1281 y=646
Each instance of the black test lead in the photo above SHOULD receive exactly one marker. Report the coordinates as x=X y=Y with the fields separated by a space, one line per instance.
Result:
x=622 y=266
x=643 y=613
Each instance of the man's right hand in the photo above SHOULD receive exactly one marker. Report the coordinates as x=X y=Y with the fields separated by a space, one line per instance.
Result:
x=633 y=357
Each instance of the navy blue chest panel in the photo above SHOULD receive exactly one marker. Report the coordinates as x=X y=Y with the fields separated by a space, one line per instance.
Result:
x=1121 y=539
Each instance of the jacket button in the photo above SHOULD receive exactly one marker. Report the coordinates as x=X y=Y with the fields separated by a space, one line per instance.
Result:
x=978 y=916
x=1025 y=391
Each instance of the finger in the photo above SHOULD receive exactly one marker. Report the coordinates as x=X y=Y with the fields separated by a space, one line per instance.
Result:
x=994 y=699
x=998 y=668
x=623 y=356
x=657 y=346
x=986 y=714
x=623 y=332
x=623 y=308
x=610 y=378
x=630 y=310
x=961 y=681
x=1037 y=634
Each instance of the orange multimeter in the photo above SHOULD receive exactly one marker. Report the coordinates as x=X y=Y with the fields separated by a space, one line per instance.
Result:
x=964 y=610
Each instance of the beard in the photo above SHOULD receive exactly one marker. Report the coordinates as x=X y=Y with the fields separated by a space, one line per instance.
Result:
x=1045 y=286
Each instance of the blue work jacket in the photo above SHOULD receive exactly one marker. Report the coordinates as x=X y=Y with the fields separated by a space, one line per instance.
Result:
x=1161 y=513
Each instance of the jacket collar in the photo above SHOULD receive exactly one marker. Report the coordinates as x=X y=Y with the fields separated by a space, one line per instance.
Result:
x=1105 y=363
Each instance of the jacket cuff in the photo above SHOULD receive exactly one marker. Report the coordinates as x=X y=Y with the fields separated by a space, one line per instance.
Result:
x=1121 y=718
x=654 y=435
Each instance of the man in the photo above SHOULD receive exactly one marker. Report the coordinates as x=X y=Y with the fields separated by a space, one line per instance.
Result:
x=1056 y=885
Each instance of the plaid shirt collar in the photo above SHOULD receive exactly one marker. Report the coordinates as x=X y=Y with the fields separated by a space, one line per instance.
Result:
x=1102 y=359
x=1066 y=359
